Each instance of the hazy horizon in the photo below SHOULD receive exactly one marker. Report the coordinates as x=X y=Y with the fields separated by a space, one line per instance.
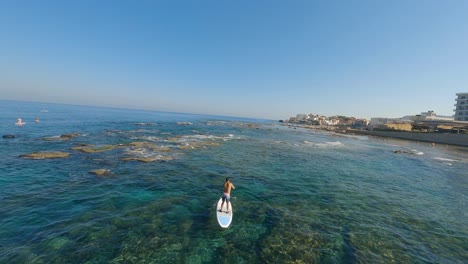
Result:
x=267 y=60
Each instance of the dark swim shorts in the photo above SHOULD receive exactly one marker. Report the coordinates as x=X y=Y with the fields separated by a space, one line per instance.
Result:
x=226 y=197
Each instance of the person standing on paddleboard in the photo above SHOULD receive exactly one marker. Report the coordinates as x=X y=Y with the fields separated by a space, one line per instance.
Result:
x=227 y=194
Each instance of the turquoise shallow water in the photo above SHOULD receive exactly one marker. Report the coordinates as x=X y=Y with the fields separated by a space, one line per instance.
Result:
x=301 y=196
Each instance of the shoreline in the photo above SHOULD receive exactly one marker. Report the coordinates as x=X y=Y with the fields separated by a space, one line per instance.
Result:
x=460 y=140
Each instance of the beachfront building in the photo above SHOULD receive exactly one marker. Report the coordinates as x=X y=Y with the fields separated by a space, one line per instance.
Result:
x=429 y=116
x=361 y=122
x=377 y=121
x=390 y=124
x=461 y=107
x=301 y=117
x=331 y=122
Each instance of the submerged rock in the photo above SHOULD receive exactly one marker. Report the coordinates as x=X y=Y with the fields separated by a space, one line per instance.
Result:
x=8 y=136
x=148 y=145
x=199 y=144
x=63 y=137
x=102 y=172
x=148 y=159
x=45 y=155
x=94 y=149
x=58 y=243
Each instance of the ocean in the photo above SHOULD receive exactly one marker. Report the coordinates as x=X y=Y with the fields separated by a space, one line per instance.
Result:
x=140 y=187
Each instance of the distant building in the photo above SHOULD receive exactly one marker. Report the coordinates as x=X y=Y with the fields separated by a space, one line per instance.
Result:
x=429 y=116
x=361 y=122
x=377 y=121
x=301 y=117
x=461 y=107
x=332 y=122
x=399 y=127
x=390 y=123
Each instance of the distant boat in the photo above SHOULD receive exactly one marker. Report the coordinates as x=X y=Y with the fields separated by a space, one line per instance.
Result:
x=36 y=119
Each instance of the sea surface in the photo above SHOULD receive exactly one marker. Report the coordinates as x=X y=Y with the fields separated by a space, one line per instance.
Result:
x=302 y=196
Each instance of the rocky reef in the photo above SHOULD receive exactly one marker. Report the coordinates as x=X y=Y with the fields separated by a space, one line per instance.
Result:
x=136 y=145
x=45 y=155
x=101 y=172
x=147 y=145
x=93 y=149
x=148 y=159
x=63 y=137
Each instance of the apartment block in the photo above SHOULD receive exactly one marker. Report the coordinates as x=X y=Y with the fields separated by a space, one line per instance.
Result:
x=461 y=107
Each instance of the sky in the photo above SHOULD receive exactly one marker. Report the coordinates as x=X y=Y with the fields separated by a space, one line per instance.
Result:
x=260 y=59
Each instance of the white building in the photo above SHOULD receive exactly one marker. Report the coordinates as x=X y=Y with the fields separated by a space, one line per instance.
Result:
x=377 y=121
x=301 y=117
x=461 y=107
x=429 y=116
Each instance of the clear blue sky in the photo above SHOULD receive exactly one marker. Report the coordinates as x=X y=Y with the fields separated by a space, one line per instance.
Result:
x=264 y=59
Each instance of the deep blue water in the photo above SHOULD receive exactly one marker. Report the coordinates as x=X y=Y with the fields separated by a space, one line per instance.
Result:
x=301 y=195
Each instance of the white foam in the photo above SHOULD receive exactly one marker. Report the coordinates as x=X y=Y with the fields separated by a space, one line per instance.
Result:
x=326 y=144
x=150 y=138
x=444 y=159
x=277 y=142
x=216 y=123
x=202 y=137
x=210 y=137
x=143 y=153
x=415 y=152
x=335 y=144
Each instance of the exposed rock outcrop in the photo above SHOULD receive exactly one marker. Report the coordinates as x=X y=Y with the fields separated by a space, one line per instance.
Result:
x=199 y=144
x=63 y=137
x=46 y=155
x=148 y=159
x=148 y=145
x=94 y=149
x=102 y=172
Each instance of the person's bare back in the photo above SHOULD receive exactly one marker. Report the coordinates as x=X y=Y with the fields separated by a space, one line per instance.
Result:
x=228 y=186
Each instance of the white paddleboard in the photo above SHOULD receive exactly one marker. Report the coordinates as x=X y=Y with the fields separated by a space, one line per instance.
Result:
x=224 y=219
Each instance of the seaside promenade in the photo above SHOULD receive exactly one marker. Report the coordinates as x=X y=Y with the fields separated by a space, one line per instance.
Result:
x=438 y=138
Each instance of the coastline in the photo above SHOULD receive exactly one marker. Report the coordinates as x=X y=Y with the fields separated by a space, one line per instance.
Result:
x=116 y=176
x=437 y=138
x=460 y=140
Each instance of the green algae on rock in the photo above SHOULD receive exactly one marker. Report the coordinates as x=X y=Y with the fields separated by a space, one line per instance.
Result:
x=101 y=172
x=45 y=155
x=148 y=145
x=58 y=243
x=94 y=149
x=63 y=137
x=148 y=159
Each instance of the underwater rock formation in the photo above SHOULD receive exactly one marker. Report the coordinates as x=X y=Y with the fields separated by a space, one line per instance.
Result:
x=102 y=172
x=63 y=137
x=93 y=149
x=45 y=155
x=148 y=145
x=148 y=159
